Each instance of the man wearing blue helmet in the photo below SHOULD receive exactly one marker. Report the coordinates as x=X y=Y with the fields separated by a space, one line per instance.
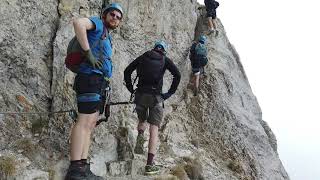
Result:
x=150 y=68
x=198 y=58
x=93 y=35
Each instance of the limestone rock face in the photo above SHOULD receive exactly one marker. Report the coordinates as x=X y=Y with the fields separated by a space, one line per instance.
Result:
x=218 y=134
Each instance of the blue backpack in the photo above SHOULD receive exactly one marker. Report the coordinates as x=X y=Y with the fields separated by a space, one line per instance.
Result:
x=201 y=54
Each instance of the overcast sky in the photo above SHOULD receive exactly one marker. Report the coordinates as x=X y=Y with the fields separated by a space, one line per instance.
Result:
x=278 y=43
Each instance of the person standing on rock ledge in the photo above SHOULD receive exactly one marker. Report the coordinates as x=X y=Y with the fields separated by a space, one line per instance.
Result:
x=150 y=68
x=92 y=78
x=211 y=6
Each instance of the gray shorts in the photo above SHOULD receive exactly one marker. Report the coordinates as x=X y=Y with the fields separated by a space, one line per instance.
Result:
x=149 y=108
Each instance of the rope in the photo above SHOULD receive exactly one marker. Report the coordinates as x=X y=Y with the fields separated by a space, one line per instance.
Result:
x=120 y=103
x=55 y=112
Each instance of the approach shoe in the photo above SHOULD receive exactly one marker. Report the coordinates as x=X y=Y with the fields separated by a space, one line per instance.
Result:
x=151 y=169
x=90 y=174
x=76 y=172
x=139 y=144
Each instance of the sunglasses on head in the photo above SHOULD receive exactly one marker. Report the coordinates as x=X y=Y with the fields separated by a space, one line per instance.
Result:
x=115 y=16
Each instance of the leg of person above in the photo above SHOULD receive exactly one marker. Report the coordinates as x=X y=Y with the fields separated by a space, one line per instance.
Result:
x=193 y=80
x=211 y=14
x=211 y=25
x=140 y=138
x=196 y=83
x=214 y=22
x=209 y=9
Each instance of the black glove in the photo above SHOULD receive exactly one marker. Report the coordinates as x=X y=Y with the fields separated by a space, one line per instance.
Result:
x=93 y=61
x=166 y=95
x=130 y=88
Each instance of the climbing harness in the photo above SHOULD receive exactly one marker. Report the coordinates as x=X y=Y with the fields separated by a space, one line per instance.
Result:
x=73 y=113
x=109 y=103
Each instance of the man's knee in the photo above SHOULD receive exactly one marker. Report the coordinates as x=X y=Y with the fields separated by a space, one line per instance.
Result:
x=87 y=121
x=153 y=128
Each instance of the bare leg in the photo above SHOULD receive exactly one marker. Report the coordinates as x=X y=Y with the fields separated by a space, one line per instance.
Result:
x=211 y=23
x=153 y=139
x=214 y=24
x=196 y=83
x=92 y=125
x=193 y=80
x=80 y=136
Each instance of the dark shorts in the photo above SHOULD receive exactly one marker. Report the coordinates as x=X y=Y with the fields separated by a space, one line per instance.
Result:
x=149 y=108
x=211 y=9
x=211 y=13
x=90 y=92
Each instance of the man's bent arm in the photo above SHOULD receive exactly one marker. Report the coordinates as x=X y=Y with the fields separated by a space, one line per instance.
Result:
x=81 y=25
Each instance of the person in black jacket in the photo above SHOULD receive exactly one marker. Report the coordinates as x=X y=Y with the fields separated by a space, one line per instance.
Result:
x=211 y=6
x=149 y=98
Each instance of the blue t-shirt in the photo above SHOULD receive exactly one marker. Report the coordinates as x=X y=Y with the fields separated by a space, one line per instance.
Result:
x=96 y=45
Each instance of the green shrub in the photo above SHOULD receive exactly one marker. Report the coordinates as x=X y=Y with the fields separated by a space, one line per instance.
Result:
x=7 y=167
x=235 y=166
x=28 y=148
x=38 y=124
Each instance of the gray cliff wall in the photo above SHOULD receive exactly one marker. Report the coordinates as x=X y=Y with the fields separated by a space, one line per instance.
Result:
x=218 y=135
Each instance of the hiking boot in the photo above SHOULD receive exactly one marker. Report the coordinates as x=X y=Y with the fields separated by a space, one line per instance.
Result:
x=139 y=144
x=151 y=169
x=76 y=172
x=90 y=174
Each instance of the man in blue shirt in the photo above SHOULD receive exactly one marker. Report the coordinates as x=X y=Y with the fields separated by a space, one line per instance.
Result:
x=93 y=77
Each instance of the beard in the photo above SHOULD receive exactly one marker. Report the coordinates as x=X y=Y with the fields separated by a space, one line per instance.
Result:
x=111 y=24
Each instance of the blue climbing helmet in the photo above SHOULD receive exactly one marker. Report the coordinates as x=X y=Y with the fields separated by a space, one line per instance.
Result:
x=112 y=6
x=203 y=39
x=161 y=44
